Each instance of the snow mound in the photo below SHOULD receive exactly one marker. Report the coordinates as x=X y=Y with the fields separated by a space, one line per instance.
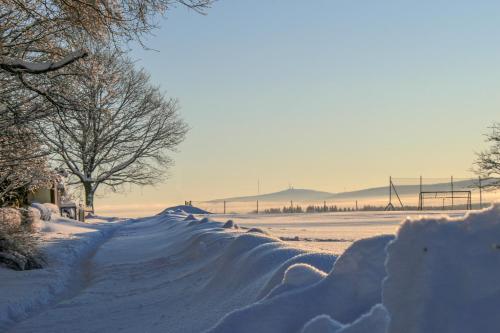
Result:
x=443 y=275
x=296 y=276
x=350 y=290
x=322 y=324
x=45 y=212
x=302 y=275
x=183 y=209
x=53 y=208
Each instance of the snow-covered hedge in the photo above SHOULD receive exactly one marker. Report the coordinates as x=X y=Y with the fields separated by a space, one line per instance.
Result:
x=18 y=245
x=54 y=209
x=45 y=212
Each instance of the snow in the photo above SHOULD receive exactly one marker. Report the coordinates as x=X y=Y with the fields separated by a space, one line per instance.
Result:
x=45 y=212
x=65 y=245
x=184 y=209
x=443 y=275
x=175 y=273
x=14 y=65
x=351 y=289
x=332 y=232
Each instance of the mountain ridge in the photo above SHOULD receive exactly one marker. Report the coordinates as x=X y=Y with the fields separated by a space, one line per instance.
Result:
x=314 y=195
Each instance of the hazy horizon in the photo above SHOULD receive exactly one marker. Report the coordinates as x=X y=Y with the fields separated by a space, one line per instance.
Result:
x=327 y=95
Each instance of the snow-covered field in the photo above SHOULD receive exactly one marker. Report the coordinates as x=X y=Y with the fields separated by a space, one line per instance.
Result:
x=179 y=273
x=333 y=232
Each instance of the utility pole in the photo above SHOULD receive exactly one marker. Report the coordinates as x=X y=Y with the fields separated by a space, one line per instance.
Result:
x=390 y=190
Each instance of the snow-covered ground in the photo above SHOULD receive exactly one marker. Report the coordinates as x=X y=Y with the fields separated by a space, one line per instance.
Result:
x=333 y=232
x=177 y=273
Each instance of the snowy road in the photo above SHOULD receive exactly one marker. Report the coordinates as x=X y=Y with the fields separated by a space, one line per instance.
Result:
x=156 y=275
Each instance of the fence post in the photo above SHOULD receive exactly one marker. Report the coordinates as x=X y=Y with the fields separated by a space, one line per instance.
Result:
x=480 y=194
x=257 y=206
x=420 y=195
x=224 y=207
x=452 y=194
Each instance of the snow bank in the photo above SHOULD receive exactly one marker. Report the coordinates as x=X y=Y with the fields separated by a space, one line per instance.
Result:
x=444 y=275
x=64 y=244
x=54 y=209
x=184 y=209
x=45 y=212
x=351 y=289
x=173 y=273
x=437 y=275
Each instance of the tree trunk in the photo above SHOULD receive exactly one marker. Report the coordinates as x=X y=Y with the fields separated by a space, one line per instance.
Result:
x=89 y=196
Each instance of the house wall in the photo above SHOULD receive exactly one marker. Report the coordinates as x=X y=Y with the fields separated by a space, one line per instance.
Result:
x=44 y=195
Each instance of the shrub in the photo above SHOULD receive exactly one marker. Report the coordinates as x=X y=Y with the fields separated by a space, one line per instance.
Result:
x=18 y=244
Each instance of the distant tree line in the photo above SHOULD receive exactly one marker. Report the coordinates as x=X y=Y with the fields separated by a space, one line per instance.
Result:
x=314 y=209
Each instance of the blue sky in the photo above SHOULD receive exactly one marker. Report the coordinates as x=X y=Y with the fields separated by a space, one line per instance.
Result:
x=329 y=95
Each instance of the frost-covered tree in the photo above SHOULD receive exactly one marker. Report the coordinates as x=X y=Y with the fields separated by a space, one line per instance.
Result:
x=112 y=127
x=488 y=161
x=23 y=166
x=36 y=35
x=38 y=38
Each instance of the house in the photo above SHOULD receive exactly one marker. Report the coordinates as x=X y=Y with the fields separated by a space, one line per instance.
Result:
x=55 y=194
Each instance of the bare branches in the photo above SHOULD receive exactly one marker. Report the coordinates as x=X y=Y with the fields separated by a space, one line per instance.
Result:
x=488 y=161
x=114 y=128
x=23 y=165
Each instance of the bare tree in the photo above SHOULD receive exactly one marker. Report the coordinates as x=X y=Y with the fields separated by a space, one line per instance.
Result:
x=488 y=161
x=36 y=35
x=23 y=166
x=113 y=126
x=40 y=37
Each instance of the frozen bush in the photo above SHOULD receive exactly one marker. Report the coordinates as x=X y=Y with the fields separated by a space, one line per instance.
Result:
x=10 y=217
x=18 y=248
x=45 y=212
x=54 y=209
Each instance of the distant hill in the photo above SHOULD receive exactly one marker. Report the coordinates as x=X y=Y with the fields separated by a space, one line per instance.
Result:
x=286 y=195
x=312 y=195
x=463 y=185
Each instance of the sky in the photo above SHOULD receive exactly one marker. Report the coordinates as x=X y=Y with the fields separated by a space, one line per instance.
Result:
x=326 y=95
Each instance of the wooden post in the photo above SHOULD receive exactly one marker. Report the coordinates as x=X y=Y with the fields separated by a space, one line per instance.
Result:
x=452 y=199
x=420 y=195
x=224 y=206
x=480 y=194
x=257 y=206
x=356 y=205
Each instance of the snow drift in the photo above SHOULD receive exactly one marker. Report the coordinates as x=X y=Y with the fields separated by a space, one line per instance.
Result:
x=437 y=275
x=176 y=273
